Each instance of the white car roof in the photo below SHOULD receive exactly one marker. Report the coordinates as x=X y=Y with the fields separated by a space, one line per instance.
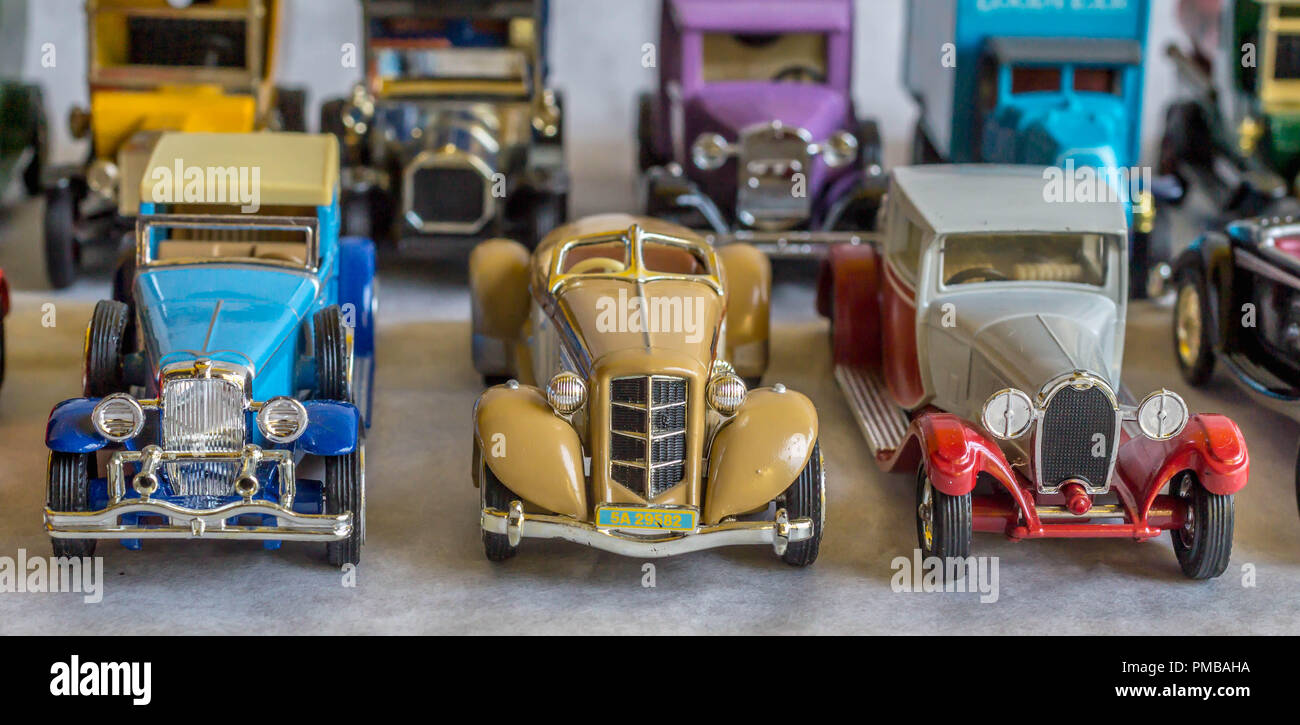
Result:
x=975 y=198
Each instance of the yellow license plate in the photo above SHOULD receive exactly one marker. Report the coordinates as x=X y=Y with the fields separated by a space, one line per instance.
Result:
x=650 y=519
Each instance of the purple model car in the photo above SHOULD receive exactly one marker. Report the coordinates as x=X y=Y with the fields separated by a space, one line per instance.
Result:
x=752 y=135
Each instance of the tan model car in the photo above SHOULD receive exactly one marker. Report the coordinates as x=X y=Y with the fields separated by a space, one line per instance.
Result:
x=626 y=423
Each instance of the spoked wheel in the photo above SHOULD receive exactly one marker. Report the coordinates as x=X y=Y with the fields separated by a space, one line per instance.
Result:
x=806 y=497
x=1192 y=344
x=105 y=346
x=1204 y=543
x=345 y=490
x=944 y=524
x=69 y=490
x=495 y=495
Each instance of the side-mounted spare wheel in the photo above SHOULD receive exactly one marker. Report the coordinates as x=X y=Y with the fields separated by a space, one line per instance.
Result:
x=68 y=489
x=105 y=348
x=344 y=475
x=807 y=497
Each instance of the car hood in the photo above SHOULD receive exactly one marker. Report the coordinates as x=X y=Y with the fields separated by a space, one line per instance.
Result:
x=243 y=315
x=610 y=316
x=729 y=108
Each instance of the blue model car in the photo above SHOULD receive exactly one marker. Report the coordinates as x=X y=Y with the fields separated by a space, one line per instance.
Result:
x=238 y=352
x=1046 y=84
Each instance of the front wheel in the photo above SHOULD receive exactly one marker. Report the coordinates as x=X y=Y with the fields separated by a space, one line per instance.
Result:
x=944 y=524
x=495 y=495
x=806 y=497
x=68 y=490
x=1192 y=346
x=60 y=236
x=1204 y=543
x=345 y=490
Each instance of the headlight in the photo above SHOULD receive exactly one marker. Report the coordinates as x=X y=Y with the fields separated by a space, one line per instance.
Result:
x=840 y=150
x=566 y=393
x=102 y=178
x=710 y=151
x=726 y=393
x=1162 y=415
x=1008 y=414
x=358 y=111
x=282 y=419
x=117 y=417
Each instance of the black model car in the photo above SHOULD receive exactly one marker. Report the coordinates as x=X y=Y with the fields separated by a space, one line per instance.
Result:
x=453 y=133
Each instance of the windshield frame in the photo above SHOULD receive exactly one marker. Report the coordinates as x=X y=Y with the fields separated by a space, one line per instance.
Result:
x=146 y=245
x=1112 y=253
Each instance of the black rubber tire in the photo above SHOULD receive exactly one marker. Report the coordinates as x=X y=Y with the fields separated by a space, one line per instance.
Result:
x=123 y=280
x=953 y=523
x=490 y=380
x=807 y=497
x=33 y=183
x=291 y=109
x=1198 y=372
x=496 y=496
x=331 y=118
x=754 y=381
x=60 y=236
x=68 y=489
x=871 y=149
x=345 y=490
x=1205 y=552
x=549 y=211
x=331 y=348
x=105 y=348
x=923 y=152
x=645 y=151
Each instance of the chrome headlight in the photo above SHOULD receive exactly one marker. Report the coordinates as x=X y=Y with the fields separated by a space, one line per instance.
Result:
x=1008 y=414
x=1162 y=415
x=102 y=178
x=358 y=111
x=726 y=393
x=566 y=393
x=282 y=419
x=710 y=151
x=840 y=149
x=117 y=417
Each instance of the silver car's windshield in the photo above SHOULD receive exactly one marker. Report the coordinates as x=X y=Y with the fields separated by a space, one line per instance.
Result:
x=1069 y=258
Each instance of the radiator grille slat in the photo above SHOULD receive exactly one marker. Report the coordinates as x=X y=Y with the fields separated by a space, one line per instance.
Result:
x=202 y=415
x=647 y=449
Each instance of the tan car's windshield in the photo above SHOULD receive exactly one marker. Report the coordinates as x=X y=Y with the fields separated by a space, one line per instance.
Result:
x=1071 y=258
x=613 y=256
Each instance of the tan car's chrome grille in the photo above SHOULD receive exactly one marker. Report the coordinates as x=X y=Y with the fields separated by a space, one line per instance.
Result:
x=647 y=445
x=202 y=415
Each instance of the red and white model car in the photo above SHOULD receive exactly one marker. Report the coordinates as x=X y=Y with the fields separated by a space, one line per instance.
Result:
x=979 y=342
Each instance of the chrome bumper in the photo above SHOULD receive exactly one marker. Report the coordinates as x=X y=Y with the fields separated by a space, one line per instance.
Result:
x=791 y=245
x=189 y=523
x=517 y=525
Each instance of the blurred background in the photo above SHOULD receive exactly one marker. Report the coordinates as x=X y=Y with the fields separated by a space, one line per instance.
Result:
x=596 y=62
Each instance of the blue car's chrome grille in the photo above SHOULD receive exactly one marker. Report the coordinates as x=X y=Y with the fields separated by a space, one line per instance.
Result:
x=202 y=415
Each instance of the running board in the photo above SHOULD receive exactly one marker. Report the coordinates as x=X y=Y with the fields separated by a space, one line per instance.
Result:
x=883 y=424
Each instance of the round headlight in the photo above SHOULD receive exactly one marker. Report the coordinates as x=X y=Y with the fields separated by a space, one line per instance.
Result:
x=726 y=393
x=566 y=392
x=710 y=151
x=282 y=419
x=117 y=417
x=102 y=178
x=1008 y=414
x=840 y=149
x=1162 y=415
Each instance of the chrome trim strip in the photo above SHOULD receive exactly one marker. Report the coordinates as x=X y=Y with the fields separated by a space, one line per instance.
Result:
x=309 y=226
x=516 y=525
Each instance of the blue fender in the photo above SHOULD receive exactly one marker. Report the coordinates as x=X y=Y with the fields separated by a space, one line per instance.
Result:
x=357 y=287
x=69 y=429
x=332 y=428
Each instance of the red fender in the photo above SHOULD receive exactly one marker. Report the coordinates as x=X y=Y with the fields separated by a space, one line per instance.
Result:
x=4 y=295
x=855 y=304
x=1211 y=446
x=956 y=453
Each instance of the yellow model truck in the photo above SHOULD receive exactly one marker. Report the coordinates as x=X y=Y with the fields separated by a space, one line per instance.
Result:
x=156 y=66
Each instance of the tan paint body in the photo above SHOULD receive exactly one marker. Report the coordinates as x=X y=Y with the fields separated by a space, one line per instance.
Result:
x=756 y=454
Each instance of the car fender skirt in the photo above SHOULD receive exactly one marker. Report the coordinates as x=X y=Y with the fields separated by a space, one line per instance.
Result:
x=1211 y=446
x=498 y=283
x=69 y=429
x=749 y=289
x=332 y=428
x=956 y=453
x=534 y=452
x=759 y=453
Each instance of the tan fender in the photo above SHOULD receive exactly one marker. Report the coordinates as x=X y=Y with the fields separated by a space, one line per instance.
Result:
x=498 y=283
x=748 y=279
x=756 y=456
x=533 y=451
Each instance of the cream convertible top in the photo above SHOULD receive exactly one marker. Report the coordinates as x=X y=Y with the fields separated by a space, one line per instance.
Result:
x=293 y=169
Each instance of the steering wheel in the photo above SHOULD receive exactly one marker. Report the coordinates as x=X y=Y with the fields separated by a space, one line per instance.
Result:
x=595 y=265
x=800 y=73
x=988 y=274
